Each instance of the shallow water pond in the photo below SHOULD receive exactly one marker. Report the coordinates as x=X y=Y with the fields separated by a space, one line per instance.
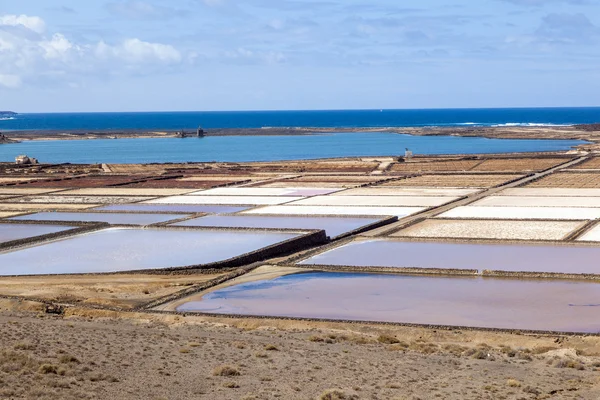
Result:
x=500 y=257
x=571 y=306
x=129 y=249
x=332 y=226
x=10 y=232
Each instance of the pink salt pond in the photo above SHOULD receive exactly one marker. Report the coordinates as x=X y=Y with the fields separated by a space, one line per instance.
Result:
x=564 y=259
x=565 y=306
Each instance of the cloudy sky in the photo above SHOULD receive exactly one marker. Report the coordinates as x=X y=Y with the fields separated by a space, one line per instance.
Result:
x=149 y=55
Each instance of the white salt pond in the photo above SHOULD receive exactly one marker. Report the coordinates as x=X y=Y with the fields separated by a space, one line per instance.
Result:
x=333 y=226
x=565 y=306
x=564 y=192
x=130 y=249
x=10 y=232
x=380 y=201
x=571 y=259
x=224 y=200
x=539 y=201
x=406 y=191
x=593 y=235
x=174 y=208
x=400 y=212
x=483 y=229
x=261 y=191
x=110 y=218
x=492 y=212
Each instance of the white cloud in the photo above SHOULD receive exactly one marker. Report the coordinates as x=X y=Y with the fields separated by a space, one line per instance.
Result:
x=136 y=51
x=10 y=81
x=35 y=24
x=58 y=48
x=28 y=54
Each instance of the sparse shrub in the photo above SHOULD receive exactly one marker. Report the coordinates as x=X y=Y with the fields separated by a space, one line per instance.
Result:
x=531 y=390
x=524 y=356
x=316 y=338
x=336 y=394
x=387 y=339
x=476 y=354
x=561 y=363
x=24 y=346
x=184 y=350
x=513 y=383
x=425 y=348
x=543 y=349
x=226 y=370
x=271 y=347
x=48 y=369
x=231 y=385
x=66 y=359
x=260 y=355
x=455 y=349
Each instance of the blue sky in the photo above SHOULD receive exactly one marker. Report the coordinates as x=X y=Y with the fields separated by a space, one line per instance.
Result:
x=149 y=55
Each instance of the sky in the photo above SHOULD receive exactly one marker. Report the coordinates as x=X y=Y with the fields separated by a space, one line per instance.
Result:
x=204 y=55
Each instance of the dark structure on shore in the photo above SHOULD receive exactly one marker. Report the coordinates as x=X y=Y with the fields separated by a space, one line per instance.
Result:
x=199 y=133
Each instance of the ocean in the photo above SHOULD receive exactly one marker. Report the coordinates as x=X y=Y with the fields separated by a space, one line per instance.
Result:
x=275 y=148
x=322 y=119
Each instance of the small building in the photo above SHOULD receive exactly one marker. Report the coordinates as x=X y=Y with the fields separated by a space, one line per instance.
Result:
x=25 y=160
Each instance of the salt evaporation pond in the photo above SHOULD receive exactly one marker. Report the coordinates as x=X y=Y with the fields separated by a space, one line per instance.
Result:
x=129 y=249
x=11 y=232
x=110 y=218
x=567 y=306
x=176 y=208
x=499 y=257
x=332 y=226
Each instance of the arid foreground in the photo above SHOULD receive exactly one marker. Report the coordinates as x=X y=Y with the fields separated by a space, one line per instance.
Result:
x=110 y=355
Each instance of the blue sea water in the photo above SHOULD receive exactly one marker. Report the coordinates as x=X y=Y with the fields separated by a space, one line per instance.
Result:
x=271 y=148
x=266 y=148
x=334 y=118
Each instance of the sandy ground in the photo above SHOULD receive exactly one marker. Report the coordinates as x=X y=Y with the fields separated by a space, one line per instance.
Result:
x=99 y=355
x=122 y=290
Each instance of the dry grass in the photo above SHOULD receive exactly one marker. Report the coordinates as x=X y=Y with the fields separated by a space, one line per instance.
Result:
x=387 y=339
x=513 y=383
x=336 y=394
x=226 y=370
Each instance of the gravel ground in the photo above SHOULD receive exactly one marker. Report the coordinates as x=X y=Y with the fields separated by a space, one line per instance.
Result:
x=87 y=357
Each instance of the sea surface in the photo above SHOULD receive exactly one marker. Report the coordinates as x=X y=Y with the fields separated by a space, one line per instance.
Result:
x=323 y=119
x=265 y=148
x=274 y=148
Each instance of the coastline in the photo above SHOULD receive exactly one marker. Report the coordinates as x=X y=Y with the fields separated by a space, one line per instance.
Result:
x=576 y=132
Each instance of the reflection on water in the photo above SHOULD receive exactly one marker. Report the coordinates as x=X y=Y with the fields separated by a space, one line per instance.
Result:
x=120 y=249
x=501 y=257
x=332 y=226
x=10 y=232
x=111 y=218
x=459 y=301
